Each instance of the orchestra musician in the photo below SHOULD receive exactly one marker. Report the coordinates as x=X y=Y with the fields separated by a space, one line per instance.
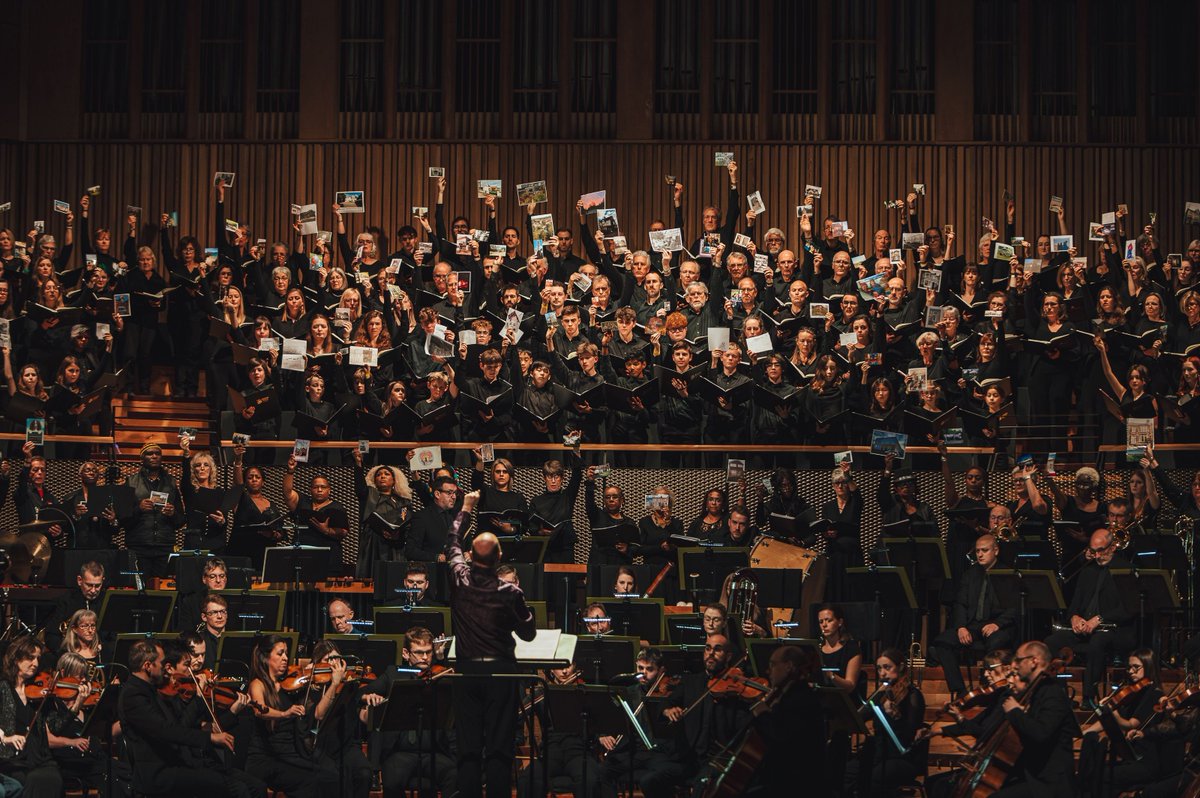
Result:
x=978 y=623
x=340 y=615
x=24 y=753
x=214 y=577
x=790 y=721
x=1098 y=777
x=214 y=620
x=155 y=741
x=277 y=753
x=595 y=621
x=79 y=757
x=626 y=753
x=1096 y=601
x=82 y=638
x=567 y=752
x=88 y=596
x=405 y=760
x=881 y=768
x=336 y=724
x=416 y=586
x=486 y=613
x=1045 y=726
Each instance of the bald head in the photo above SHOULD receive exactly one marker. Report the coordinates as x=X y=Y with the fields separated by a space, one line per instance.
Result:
x=485 y=550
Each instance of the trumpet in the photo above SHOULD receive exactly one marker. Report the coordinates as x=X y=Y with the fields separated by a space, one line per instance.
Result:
x=1006 y=534
x=1102 y=627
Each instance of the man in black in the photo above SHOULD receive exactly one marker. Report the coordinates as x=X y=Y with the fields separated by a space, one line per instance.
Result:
x=1046 y=727
x=150 y=532
x=1096 y=601
x=555 y=506
x=90 y=596
x=155 y=741
x=977 y=621
x=485 y=613
x=427 y=538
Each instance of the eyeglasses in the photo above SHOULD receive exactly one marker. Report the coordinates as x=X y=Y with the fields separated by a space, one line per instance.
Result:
x=450 y=491
x=1021 y=659
x=217 y=612
x=85 y=626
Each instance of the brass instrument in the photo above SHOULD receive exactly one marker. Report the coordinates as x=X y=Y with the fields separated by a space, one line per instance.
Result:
x=1185 y=525
x=1006 y=534
x=743 y=594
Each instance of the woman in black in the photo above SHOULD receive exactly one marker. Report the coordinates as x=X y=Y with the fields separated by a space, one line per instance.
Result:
x=79 y=757
x=657 y=527
x=188 y=307
x=278 y=754
x=841 y=664
x=712 y=523
x=1052 y=366
x=784 y=500
x=1098 y=776
x=844 y=516
x=336 y=726
x=322 y=520
x=205 y=527
x=1136 y=401
x=499 y=497
x=882 y=767
x=774 y=424
x=34 y=768
x=142 y=329
x=1085 y=511
x=825 y=400
x=383 y=492
x=257 y=521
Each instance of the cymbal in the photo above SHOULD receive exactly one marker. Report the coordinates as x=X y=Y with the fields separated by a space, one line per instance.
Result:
x=28 y=555
x=38 y=526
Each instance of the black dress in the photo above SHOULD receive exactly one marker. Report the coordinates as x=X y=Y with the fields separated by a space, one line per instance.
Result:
x=252 y=530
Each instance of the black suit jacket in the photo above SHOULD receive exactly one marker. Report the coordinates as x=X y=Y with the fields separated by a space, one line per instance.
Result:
x=967 y=599
x=427 y=536
x=1111 y=608
x=155 y=741
x=1047 y=730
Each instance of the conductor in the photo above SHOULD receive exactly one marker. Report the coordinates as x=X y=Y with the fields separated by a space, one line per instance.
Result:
x=485 y=613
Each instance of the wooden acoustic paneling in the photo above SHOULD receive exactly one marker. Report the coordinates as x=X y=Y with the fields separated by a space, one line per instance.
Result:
x=965 y=182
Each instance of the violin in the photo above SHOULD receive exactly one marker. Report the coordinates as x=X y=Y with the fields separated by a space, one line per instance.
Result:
x=977 y=696
x=430 y=673
x=64 y=688
x=733 y=683
x=1185 y=697
x=664 y=687
x=300 y=677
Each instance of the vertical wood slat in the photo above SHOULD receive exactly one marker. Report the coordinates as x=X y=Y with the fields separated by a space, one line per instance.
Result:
x=964 y=183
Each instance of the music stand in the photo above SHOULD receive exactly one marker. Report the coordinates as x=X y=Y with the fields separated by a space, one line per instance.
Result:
x=685 y=629
x=1152 y=589
x=240 y=646
x=150 y=610
x=296 y=565
x=1029 y=554
x=1157 y=551
x=415 y=705
x=634 y=617
x=705 y=568
x=119 y=650
x=678 y=660
x=1026 y=590
x=923 y=558
x=841 y=715
x=379 y=652
x=1119 y=747
x=398 y=620
x=602 y=658
x=255 y=610
x=541 y=614
x=65 y=564
x=524 y=549
x=886 y=585
x=591 y=713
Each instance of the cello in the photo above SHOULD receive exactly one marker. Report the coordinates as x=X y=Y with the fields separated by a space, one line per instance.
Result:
x=994 y=757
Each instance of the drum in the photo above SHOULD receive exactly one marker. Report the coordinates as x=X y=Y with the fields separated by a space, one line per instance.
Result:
x=773 y=553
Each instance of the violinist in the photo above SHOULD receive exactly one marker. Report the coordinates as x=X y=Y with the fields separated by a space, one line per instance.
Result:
x=1045 y=726
x=700 y=720
x=617 y=754
x=790 y=720
x=82 y=637
x=155 y=742
x=1131 y=706
x=277 y=754
x=403 y=758
x=565 y=751
x=881 y=767
x=337 y=724
x=24 y=755
x=66 y=715
x=978 y=622
x=1096 y=601
x=183 y=679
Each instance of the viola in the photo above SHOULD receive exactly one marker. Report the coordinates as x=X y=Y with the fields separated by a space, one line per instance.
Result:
x=225 y=696
x=734 y=684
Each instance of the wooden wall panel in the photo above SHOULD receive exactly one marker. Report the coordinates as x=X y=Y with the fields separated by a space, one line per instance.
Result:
x=965 y=182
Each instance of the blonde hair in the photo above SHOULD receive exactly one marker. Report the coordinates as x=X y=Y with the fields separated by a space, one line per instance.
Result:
x=71 y=639
x=199 y=458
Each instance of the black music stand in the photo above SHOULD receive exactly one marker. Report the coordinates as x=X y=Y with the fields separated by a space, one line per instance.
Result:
x=119 y=650
x=524 y=549
x=705 y=568
x=678 y=660
x=760 y=649
x=99 y=724
x=599 y=659
x=589 y=712
x=1151 y=589
x=254 y=610
x=239 y=646
x=1119 y=747
x=379 y=652
x=842 y=716
x=415 y=705
x=886 y=585
x=1026 y=590
x=1157 y=551
x=296 y=565
x=923 y=557
x=150 y=610
x=634 y=617
x=1028 y=554
x=686 y=629
x=398 y=620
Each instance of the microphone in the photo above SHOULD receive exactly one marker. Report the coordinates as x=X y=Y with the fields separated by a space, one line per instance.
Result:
x=626 y=679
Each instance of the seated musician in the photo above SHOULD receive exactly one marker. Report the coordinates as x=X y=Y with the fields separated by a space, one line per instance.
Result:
x=214 y=619
x=1096 y=601
x=78 y=757
x=697 y=734
x=186 y=709
x=743 y=602
x=335 y=724
x=89 y=596
x=404 y=759
x=82 y=637
x=714 y=619
x=277 y=754
x=790 y=722
x=155 y=741
x=214 y=577
x=340 y=615
x=977 y=621
x=881 y=767
x=507 y=573
x=617 y=754
x=416 y=587
x=1045 y=727
x=1131 y=706
x=595 y=620
x=24 y=756
x=741 y=533
x=569 y=755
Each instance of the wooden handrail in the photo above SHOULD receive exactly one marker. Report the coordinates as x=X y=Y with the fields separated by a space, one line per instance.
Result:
x=631 y=447
x=20 y=436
